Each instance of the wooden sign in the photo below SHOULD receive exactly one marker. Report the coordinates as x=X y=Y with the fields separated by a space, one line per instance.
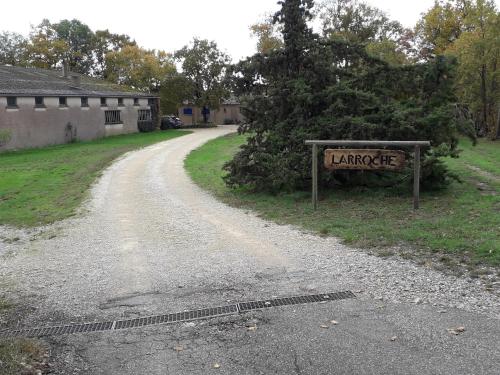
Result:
x=364 y=159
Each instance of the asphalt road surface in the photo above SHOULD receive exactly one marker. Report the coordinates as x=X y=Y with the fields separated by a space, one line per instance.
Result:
x=150 y=242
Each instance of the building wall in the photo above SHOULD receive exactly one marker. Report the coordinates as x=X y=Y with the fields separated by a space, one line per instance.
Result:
x=229 y=113
x=37 y=127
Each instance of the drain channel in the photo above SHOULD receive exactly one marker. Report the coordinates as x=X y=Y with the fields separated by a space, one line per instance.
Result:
x=183 y=316
x=255 y=305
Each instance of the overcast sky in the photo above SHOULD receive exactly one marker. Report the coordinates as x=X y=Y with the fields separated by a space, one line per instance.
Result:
x=171 y=24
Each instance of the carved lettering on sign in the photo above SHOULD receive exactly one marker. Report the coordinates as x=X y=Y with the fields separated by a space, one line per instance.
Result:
x=364 y=159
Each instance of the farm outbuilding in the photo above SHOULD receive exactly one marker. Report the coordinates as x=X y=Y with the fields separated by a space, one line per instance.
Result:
x=40 y=107
x=227 y=113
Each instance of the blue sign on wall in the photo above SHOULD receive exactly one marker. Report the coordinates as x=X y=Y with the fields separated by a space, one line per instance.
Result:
x=188 y=111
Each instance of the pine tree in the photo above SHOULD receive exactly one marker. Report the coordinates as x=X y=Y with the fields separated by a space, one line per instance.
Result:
x=317 y=88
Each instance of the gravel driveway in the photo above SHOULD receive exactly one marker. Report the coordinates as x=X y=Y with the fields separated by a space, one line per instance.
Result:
x=150 y=242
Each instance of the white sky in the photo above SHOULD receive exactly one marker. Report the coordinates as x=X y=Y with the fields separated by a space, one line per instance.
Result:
x=171 y=24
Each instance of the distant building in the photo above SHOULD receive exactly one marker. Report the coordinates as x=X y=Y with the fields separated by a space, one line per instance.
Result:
x=41 y=107
x=227 y=113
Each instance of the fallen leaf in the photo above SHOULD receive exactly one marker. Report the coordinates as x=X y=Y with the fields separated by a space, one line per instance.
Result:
x=460 y=329
x=324 y=326
x=178 y=348
x=216 y=365
x=334 y=322
x=393 y=338
x=251 y=328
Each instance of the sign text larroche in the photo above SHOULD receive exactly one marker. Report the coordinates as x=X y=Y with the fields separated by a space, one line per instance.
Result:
x=364 y=159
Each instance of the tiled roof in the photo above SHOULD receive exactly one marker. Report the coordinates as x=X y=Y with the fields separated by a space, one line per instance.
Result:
x=42 y=82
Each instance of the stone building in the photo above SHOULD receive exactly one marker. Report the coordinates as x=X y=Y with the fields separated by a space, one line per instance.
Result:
x=41 y=107
x=227 y=113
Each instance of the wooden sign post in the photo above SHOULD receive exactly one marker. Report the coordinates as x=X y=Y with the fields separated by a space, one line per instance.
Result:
x=366 y=159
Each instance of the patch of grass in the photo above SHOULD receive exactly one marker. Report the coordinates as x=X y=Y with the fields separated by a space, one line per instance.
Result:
x=21 y=356
x=485 y=155
x=461 y=221
x=41 y=186
x=4 y=305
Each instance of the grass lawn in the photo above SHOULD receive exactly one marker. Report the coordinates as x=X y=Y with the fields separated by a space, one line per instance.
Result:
x=41 y=186
x=458 y=225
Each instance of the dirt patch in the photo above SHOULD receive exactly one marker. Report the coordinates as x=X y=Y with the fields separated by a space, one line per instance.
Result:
x=484 y=187
x=485 y=174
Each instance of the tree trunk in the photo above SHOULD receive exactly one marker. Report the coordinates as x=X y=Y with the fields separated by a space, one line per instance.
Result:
x=494 y=105
x=498 y=124
x=484 y=100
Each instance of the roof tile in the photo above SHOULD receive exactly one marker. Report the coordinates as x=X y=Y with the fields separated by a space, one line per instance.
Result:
x=42 y=82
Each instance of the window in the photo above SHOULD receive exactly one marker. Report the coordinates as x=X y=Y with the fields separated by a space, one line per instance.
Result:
x=112 y=117
x=62 y=101
x=103 y=102
x=120 y=102
x=188 y=111
x=39 y=102
x=11 y=102
x=136 y=101
x=144 y=114
x=85 y=101
x=151 y=102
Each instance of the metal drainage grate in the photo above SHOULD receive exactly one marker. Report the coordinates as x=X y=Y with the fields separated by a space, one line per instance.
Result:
x=175 y=317
x=59 y=330
x=254 y=305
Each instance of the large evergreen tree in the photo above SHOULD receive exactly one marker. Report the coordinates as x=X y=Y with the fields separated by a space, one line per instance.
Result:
x=322 y=88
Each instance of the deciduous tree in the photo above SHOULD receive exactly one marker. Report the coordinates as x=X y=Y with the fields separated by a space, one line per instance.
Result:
x=175 y=88
x=44 y=48
x=80 y=41
x=268 y=37
x=12 y=49
x=106 y=42
x=139 y=68
x=204 y=65
x=357 y=22
x=469 y=30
